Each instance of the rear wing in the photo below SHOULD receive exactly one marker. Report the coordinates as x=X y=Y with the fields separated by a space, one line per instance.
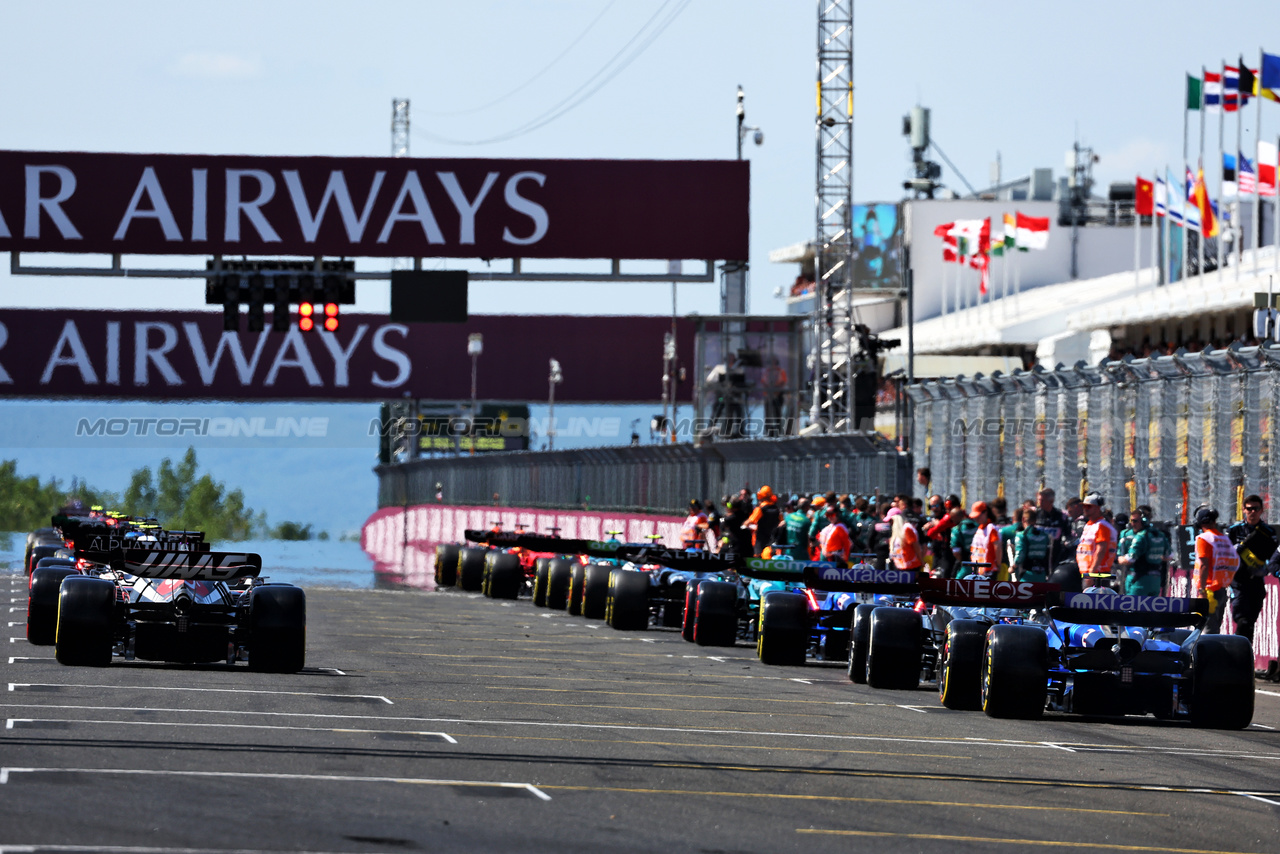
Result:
x=679 y=559
x=821 y=575
x=169 y=563
x=1123 y=610
x=979 y=592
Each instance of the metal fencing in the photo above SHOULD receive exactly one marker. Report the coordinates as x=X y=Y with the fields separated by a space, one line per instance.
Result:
x=1172 y=431
x=649 y=478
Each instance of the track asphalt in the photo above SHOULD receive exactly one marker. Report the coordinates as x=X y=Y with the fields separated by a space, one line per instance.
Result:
x=448 y=722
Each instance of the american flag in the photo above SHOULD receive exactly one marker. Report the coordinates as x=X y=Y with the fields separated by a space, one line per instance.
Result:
x=1246 y=177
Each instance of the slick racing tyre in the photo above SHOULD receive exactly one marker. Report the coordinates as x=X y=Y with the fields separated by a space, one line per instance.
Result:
x=894 y=651
x=558 y=583
x=960 y=665
x=784 y=628
x=690 y=610
x=859 y=642
x=577 y=576
x=277 y=628
x=1015 y=672
x=673 y=607
x=42 y=604
x=447 y=566
x=627 y=607
x=716 y=616
x=471 y=569
x=506 y=576
x=1222 y=682
x=541 y=569
x=86 y=612
x=834 y=643
x=595 y=591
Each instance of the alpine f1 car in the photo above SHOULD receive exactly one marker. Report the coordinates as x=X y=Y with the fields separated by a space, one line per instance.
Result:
x=1102 y=653
x=142 y=592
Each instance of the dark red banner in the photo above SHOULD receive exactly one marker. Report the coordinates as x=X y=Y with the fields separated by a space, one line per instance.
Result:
x=170 y=204
x=159 y=355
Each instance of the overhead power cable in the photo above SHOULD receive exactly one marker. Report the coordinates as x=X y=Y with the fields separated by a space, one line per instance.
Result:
x=629 y=53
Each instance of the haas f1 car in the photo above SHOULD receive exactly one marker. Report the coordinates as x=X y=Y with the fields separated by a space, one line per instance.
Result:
x=165 y=598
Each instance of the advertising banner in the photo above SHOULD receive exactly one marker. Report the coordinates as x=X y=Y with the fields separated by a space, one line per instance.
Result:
x=178 y=204
x=170 y=355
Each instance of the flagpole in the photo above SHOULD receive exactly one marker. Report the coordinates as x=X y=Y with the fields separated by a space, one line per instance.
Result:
x=1275 y=207
x=1239 y=241
x=1222 y=118
x=1155 y=235
x=1199 y=175
x=1257 y=170
x=1137 y=231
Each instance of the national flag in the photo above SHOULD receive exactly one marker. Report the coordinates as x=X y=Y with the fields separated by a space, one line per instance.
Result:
x=1161 y=197
x=1249 y=82
x=1176 y=199
x=1267 y=156
x=1190 y=211
x=1247 y=179
x=1231 y=97
x=1269 y=73
x=1010 y=231
x=1142 y=197
x=1212 y=91
x=1209 y=227
x=1194 y=87
x=1228 y=174
x=948 y=242
x=1033 y=232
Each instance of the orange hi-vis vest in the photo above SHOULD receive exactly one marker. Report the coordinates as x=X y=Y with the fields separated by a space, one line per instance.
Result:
x=1216 y=562
x=904 y=551
x=834 y=540
x=985 y=548
x=1096 y=551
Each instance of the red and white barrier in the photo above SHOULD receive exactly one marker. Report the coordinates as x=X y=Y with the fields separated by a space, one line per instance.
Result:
x=402 y=542
x=1266 y=632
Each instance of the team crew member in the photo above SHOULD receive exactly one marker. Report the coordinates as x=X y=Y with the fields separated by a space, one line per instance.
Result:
x=985 y=545
x=1055 y=523
x=1031 y=549
x=1145 y=557
x=694 y=535
x=833 y=539
x=796 y=525
x=763 y=520
x=1249 y=584
x=1216 y=564
x=1096 y=551
x=904 y=544
x=961 y=539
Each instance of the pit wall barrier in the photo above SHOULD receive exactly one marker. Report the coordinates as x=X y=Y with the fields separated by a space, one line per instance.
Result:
x=1266 y=632
x=401 y=541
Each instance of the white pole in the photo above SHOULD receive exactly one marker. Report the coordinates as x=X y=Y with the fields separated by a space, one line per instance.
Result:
x=1222 y=120
x=1235 y=220
x=1155 y=235
x=1275 y=215
x=1257 y=169
x=1137 y=230
x=1199 y=174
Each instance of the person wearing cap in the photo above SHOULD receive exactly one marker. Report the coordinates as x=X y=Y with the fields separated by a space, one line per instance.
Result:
x=961 y=538
x=1215 y=566
x=833 y=540
x=763 y=520
x=1054 y=522
x=1248 y=590
x=796 y=524
x=1032 y=547
x=694 y=535
x=938 y=531
x=1096 y=550
x=1144 y=555
x=904 y=542
x=984 y=546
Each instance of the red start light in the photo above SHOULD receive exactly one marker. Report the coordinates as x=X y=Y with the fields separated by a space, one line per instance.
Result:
x=305 y=309
x=331 y=324
x=331 y=309
x=306 y=324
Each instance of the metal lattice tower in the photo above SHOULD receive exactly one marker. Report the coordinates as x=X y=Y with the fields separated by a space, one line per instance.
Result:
x=833 y=304
x=400 y=127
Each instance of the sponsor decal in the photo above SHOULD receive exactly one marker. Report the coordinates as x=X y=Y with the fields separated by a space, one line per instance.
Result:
x=978 y=589
x=1135 y=604
x=609 y=546
x=210 y=566
x=107 y=544
x=797 y=566
x=863 y=574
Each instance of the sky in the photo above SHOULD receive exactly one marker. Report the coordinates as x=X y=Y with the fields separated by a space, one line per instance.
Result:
x=318 y=78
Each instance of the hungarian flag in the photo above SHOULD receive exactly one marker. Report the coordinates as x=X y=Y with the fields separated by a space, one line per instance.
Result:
x=1266 y=168
x=1212 y=91
x=1209 y=225
x=1033 y=232
x=1143 y=197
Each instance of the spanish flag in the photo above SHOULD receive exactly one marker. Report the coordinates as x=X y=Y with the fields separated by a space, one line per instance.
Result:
x=1208 y=224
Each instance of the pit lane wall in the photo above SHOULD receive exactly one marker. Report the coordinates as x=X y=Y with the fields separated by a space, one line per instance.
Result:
x=1266 y=634
x=401 y=541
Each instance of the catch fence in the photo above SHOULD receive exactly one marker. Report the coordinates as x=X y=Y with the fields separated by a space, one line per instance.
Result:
x=1171 y=431
x=649 y=478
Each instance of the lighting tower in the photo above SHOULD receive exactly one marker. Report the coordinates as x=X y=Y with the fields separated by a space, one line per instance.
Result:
x=400 y=127
x=833 y=314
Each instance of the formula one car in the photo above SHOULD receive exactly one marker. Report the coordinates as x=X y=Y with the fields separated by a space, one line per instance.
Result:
x=1102 y=653
x=162 y=596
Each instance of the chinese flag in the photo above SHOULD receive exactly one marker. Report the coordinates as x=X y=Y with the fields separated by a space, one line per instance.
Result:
x=1144 y=197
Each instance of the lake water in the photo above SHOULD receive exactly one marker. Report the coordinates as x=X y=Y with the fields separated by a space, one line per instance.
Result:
x=306 y=563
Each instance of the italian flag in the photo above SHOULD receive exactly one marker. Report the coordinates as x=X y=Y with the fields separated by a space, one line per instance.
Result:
x=1032 y=232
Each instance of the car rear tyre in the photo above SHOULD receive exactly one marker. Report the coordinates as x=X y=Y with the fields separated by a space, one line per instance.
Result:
x=42 y=604
x=627 y=608
x=673 y=607
x=1015 y=672
x=471 y=569
x=277 y=628
x=595 y=591
x=716 y=618
x=447 y=565
x=859 y=642
x=506 y=576
x=85 y=632
x=894 y=650
x=577 y=577
x=960 y=667
x=541 y=569
x=1222 y=682
x=784 y=629
x=558 y=583
x=690 y=617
